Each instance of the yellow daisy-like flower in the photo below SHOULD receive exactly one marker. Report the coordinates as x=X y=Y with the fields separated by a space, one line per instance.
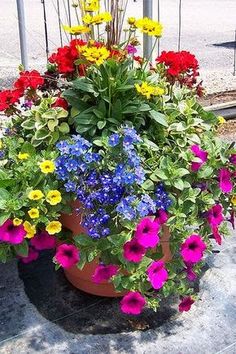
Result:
x=131 y=21
x=23 y=156
x=54 y=227
x=88 y=19
x=30 y=229
x=35 y=194
x=95 y=55
x=150 y=27
x=33 y=213
x=91 y=5
x=148 y=90
x=233 y=200
x=76 y=29
x=53 y=197
x=17 y=222
x=97 y=19
x=221 y=120
x=47 y=166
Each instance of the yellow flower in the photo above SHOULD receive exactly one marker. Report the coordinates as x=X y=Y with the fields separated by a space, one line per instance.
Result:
x=97 y=19
x=233 y=200
x=1 y=144
x=88 y=19
x=221 y=120
x=53 y=197
x=53 y=227
x=76 y=29
x=23 y=156
x=148 y=90
x=150 y=27
x=47 y=166
x=131 y=21
x=30 y=229
x=33 y=213
x=91 y=5
x=17 y=222
x=36 y=194
x=95 y=55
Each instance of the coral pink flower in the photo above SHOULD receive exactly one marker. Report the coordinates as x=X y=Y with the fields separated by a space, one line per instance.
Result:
x=32 y=256
x=12 y=234
x=104 y=272
x=201 y=154
x=232 y=159
x=157 y=274
x=186 y=304
x=225 y=183
x=215 y=216
x=192 y=249
x=43 y=241
x=161 y=216
x=67 y=255
x=133 y=303
x=133 y=251
x=147 y=233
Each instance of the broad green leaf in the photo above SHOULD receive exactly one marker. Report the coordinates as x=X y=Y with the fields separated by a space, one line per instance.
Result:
x=4 y=217
x=101 y=124
x=22 y=249
x=64 y=128
x=41 y=134
x=158 y=117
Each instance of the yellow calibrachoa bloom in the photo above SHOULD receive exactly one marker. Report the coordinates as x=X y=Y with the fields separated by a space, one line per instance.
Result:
x=97 y=19
x=53 y=197
x=17 y=222
x=47 y=166
x=53 y=227
x=33 y=213
x=30 y=229
x=148 y=90
x=35 y=194
x=95 y=55
x=23 y=156
x=91 y=5
x=150 y=27
x=221 y=120
x=233 y=200
x=76 y=29
x=131 y=21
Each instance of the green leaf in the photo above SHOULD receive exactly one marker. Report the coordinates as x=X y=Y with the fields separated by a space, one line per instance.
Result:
x=22 y=249
x=205 y=172
x=61 y=112
x=28 y=124
x=158 y=117
x=179 y=184
x=41 y=134
x=4 y=194
x=148 y=185
x=64 y=128
x=52 y=124
x=101 y=124
x=4 y=217
x=28 y=148
x=83 y=240
x=83 y=85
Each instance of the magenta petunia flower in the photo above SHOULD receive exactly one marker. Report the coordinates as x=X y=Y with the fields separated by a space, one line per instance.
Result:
x=161 y=217
x=147 y=233
x=215 y=215
x=133 y=303
x=104 y=272
x=133 y=251
x=201 y=154
x=192 y=249
x=216 y=234
x=225 y=183
x=232 y=159
x=232 y=219
x=12 y=234
x=43 y=241
x=191 y=275
x=67 y=255
x=186 y=304
x=32 y=256
x=131 y=49
x=157 y=274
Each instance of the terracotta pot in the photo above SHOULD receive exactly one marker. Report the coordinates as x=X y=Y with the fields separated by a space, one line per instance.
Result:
x=82 y=279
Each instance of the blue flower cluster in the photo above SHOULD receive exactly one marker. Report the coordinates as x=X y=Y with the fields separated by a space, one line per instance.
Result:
x=162 y=200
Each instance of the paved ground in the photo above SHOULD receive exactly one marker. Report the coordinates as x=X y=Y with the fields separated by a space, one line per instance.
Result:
x=206 y=26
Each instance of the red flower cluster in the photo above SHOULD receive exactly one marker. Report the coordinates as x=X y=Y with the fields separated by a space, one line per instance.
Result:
x=28 y=79
x=180 y=66
x=66 y=56
x=8 y=98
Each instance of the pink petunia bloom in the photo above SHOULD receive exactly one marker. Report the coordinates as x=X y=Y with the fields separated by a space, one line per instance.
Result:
x=186 y=304
x=67 y=255
x=161 y=217
x=201 y=154
x=32 y=256
x=104 y=272
x=147 y=233
x=232 y=219
x=12 y=234
x=191 y=275
x=157 y=274
x=216 y=234
x=131 y=49
x=192 y=249
x=133 y=303
x=43 y=241
x=225 y=183
x=215 y=215
x=133 y=251
x=232 y=159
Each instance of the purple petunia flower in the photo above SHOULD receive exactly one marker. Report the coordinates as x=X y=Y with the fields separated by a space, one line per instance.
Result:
x=32 y=256
x=43 y=241
x=225 y=183
x=147 y=233
x=104 y=272
x=201 y=154
x=186 y=304
x=133 y=251
x=11 y=233
x=67 y=255
x=133 y=303
x=157 y=274
x=192 y=249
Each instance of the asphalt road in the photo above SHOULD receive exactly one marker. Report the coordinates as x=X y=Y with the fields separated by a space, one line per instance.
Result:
x=205 y=25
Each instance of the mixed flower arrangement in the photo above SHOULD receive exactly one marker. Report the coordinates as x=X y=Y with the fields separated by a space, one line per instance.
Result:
x=130 y=142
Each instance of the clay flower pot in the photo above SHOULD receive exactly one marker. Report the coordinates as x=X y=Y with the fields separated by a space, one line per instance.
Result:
x=82 y=279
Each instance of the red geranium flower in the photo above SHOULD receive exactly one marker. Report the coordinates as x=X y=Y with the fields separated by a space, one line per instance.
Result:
x=8 y=98
x=28 y=79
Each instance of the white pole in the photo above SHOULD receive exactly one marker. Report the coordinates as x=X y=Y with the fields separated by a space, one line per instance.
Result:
x=147 y=40
x=22 y=33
